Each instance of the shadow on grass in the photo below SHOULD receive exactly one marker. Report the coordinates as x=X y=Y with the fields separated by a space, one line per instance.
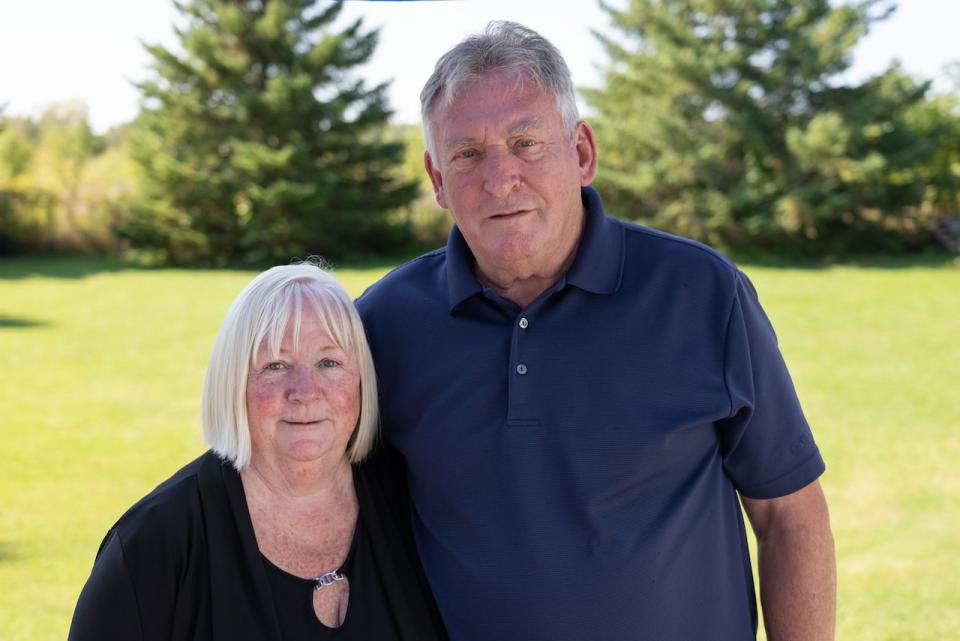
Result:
x=930 y=260
x=71 y=267
x=8 y=322
x=925 y=260
x=77 y=267
x=8 y=551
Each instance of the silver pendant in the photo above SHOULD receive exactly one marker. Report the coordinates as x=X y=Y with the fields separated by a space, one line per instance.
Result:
x=328 y=579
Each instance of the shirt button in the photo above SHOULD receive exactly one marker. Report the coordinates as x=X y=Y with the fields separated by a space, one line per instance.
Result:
x=524 y=323
x=521 y=369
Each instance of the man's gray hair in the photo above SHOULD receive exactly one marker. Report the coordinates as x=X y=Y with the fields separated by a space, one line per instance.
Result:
x=503 y=46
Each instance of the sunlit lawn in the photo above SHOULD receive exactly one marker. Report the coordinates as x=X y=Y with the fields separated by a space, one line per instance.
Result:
x=102 y=368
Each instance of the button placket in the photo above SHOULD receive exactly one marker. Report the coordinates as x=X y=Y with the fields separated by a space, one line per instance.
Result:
x=519 y=366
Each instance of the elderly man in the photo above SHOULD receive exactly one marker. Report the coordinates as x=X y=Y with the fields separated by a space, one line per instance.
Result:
x=582 y=401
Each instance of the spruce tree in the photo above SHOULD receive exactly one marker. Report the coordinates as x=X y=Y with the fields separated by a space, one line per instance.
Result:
x=259 y=144
x=729 y=121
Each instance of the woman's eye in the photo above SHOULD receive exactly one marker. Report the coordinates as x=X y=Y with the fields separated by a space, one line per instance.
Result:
x=275 y=366
x=329 y=362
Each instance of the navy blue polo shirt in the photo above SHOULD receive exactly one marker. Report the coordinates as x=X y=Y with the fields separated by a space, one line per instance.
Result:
x=574 y=465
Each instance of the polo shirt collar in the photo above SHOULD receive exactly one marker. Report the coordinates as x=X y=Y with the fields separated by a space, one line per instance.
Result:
x=597 y=268
x=461 y=282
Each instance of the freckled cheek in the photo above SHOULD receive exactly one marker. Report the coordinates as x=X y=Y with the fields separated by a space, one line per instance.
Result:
x=345 y=399
x=262 y=398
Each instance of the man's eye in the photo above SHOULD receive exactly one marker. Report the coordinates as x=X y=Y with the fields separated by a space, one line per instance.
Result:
x=526 y=143
x=466 y=154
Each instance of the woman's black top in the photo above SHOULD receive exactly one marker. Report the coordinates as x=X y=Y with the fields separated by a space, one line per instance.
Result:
x=183 y=564
x=367 y=617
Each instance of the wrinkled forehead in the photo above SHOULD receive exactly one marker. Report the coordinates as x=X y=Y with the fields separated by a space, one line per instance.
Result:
x=501 y=106
x=485 y=87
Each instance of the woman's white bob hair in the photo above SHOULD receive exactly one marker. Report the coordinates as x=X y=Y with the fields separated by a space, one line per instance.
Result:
x=274 y=301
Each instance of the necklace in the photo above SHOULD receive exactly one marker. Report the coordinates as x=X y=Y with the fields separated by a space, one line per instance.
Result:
x=328 y=578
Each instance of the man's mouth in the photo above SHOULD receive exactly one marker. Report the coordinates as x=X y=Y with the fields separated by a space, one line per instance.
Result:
x=510 y=214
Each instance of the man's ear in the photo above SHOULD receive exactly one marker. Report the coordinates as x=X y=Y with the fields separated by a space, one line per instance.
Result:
x=586 y=146
x=436 y=178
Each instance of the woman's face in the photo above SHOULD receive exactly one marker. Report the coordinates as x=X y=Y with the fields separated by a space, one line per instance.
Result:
x=303 y=405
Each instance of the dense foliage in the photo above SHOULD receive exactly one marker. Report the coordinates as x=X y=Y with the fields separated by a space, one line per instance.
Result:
x=731 y=122
x=62 y=187
x=258 y=145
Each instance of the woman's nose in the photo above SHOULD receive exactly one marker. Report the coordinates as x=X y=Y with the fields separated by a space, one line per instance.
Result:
x=304 y=386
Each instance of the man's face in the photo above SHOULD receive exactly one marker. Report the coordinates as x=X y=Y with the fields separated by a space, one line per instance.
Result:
x=511 y=175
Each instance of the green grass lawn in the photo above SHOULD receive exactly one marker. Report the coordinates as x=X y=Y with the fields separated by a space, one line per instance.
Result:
x=103 y=367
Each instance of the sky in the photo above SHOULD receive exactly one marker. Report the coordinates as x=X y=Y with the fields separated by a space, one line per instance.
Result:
x=52 y=50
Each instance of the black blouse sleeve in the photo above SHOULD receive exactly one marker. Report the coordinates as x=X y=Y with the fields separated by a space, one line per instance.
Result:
x=107 y=609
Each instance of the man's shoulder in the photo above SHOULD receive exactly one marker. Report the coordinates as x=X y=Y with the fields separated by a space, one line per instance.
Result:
x=679 y=249
x=650 y=251
x=416 y=277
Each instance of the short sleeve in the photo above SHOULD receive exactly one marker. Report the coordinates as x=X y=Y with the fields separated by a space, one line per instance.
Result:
x=768 y=449
x=107 y=608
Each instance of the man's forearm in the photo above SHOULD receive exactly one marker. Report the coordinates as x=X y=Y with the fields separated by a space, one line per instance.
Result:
x=797 y=563
x=798 y=586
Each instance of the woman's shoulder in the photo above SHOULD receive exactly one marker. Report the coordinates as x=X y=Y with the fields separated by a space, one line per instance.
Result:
x=149 y=574
x=170 y=513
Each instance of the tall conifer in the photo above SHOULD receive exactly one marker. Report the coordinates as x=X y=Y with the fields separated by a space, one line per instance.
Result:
x=258 y=142
x=731 y=121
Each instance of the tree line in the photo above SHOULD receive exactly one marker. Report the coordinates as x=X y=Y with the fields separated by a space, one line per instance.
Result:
x=258 y=141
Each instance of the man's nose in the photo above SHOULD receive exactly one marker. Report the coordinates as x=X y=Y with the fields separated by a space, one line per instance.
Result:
x=501 y=173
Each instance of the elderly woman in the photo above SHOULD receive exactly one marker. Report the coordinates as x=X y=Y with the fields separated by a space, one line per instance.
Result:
x=279 y=531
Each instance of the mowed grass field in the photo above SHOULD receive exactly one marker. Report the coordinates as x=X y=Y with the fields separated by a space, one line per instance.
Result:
x=103 y=364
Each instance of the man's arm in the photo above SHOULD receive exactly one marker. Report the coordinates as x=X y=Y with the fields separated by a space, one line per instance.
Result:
x=798 y=567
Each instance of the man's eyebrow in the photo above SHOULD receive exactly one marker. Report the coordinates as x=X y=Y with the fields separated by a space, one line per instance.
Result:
x=519 y=129
x=459 y=142
x=524 y=126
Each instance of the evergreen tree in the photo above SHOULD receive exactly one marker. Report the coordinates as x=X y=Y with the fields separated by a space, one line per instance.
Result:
x=727 y=121
x=258 y=145
x=939 y=119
